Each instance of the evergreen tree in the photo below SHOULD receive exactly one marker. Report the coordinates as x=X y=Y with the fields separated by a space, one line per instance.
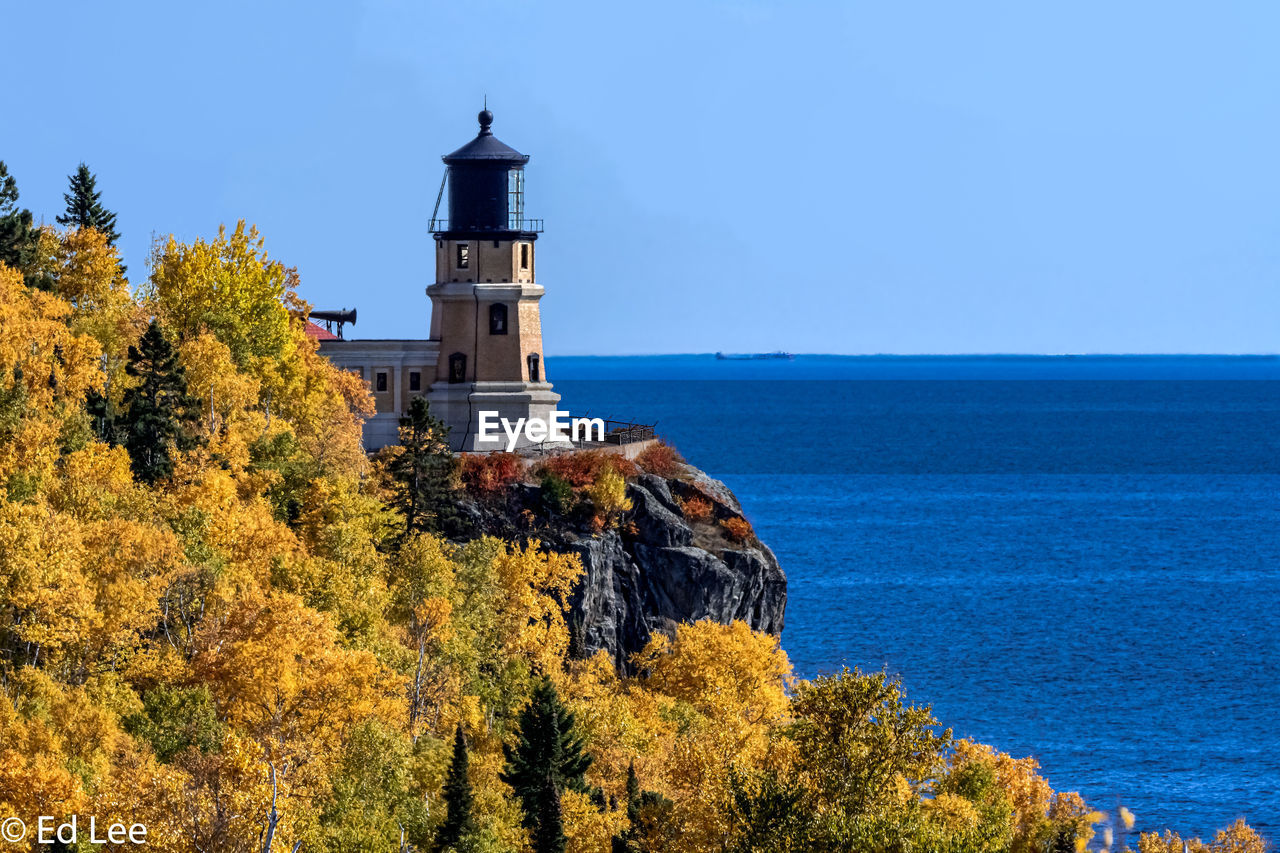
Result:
x=548 y=834
x=646 y=812
x=427 y=472
x=17 y=237
x=102 y=416
x=546 y=750
x=159 y=413
x=84 y=206
x=459 y=823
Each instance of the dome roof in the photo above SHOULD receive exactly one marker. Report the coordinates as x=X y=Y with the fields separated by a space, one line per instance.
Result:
x=486 y=146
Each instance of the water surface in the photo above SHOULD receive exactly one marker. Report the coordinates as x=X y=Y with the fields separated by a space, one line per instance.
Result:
x=1074 y=558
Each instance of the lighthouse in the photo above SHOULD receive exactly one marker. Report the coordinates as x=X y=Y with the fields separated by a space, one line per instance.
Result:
x=482 y=360
x=485 y=299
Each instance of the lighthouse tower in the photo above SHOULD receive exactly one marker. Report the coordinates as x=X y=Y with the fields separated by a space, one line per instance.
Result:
x=484 y=303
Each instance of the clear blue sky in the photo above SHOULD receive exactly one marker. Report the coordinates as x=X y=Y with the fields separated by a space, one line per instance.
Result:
x=817 y=177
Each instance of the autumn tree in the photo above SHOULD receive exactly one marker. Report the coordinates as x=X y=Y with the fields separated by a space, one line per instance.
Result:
x=863 y=758
x=229 y=287
x=82 y=268
x=374 y=802
x=45 y=371
x=174 y=719
x=85 y=208
x=159 y=413
x=230 y=290
x=459 y=823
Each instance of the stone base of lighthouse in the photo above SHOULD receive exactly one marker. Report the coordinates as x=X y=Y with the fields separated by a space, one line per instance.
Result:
x=459 y=405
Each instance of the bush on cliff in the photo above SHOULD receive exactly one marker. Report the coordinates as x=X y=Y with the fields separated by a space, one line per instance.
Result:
x=581 y=468
x=486 y=474
x=661 y=459
x=609 y=495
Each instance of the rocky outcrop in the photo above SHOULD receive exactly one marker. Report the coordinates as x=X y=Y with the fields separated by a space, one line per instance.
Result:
x=671 y=559
x=652 y=576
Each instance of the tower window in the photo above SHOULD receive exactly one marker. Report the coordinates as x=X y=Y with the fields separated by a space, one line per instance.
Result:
x=524 y=256
x=458 y=367
x=497 y=319
x=380 y=381
x=464 y=255
x=495 y=244
x=535 y=372
x=415 y=380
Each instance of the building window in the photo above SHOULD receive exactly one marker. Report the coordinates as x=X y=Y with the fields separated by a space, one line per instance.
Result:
x=495 y=244
x=535 y=373
x=380 y=381
x=415 y=380
x=464 y=255
x=458 y=367
x=497 y=319
x=524 y=256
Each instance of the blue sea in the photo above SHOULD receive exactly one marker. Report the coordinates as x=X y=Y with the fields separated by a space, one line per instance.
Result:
x=1073 y=558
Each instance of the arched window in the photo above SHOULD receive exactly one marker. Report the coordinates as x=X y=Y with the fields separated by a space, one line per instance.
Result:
x=497 y=319
x=535 y=372
x=458 y=367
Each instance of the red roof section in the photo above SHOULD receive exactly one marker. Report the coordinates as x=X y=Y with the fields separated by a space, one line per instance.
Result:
x=319 y=333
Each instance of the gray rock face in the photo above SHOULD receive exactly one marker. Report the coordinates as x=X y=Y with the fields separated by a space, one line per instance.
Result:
x=651 y=577
x=656 y=522
x=657 y=570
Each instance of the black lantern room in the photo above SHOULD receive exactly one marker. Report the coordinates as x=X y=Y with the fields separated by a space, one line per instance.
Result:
x=486 y=190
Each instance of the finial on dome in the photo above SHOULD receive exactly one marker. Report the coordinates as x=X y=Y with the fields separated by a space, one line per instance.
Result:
x=486 y=119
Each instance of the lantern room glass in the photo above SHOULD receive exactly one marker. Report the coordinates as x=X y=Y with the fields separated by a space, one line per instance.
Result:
x=515 y=199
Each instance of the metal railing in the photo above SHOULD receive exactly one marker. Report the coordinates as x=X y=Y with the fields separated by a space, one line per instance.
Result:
x=625 y=432
x=514 y=223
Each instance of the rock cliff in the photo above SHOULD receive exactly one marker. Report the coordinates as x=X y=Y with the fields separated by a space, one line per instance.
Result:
x=682 y=553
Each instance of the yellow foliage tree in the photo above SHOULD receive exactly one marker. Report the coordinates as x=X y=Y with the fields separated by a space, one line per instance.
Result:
x=45 y=371
x=85 y=271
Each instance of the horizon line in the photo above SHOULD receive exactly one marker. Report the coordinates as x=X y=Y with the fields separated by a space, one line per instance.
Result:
x=1260 y=355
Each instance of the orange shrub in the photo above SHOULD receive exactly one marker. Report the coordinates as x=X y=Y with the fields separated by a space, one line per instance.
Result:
x=661 y=459
x=739 y=529
x=623 y=466
x=696 y=508
x=487 y=473
x=581 y=468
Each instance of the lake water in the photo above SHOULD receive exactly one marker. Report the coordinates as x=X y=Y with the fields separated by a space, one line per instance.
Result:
x=1075 y=558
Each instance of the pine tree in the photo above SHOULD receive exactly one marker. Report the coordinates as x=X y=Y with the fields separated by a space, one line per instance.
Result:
x=459 y=823
x=427 y=472
x=102 y=416
x=548 y=834
x=17 y=238
x=159 y=413
x=633 y=791
x=547 y=748
x=84 y=206
x=644 y=809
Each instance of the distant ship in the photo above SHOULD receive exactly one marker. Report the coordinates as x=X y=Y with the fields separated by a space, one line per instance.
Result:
x=752 y=356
